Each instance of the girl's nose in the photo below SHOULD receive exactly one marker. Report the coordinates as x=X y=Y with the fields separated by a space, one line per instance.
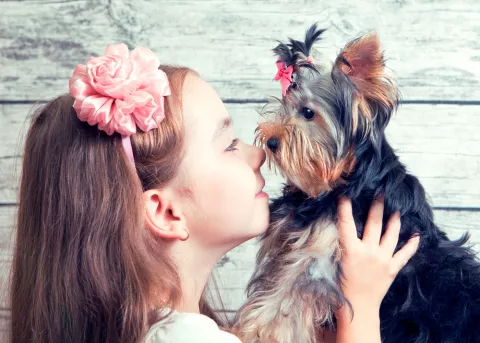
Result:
x=256 y=157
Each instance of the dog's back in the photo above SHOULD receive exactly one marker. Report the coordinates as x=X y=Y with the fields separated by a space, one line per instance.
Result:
x=436 y=297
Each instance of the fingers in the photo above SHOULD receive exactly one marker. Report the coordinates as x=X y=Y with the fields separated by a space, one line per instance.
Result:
x=402 y=256
x=389 y=239
x=373 y=226
x=346 y=224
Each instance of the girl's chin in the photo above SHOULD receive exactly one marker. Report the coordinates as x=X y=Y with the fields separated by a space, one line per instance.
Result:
x=255 y=232
x=263 y=224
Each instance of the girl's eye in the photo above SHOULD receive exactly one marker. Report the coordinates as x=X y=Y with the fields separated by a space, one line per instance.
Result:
x=232 y=147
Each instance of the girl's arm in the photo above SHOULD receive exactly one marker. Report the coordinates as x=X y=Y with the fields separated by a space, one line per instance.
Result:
x=369 y=268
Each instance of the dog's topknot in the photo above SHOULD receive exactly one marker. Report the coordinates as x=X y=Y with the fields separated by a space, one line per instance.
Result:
x=296 y=52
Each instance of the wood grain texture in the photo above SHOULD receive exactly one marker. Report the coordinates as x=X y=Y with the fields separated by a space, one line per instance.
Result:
x=7 y=215
x=439 y=143
x=235 y=269
x=432 y=46
x=235 y=273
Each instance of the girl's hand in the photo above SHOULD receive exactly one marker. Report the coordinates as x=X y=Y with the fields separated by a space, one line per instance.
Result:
x=369 y=268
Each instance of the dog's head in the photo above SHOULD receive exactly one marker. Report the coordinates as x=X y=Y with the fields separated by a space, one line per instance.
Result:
x=315 y=131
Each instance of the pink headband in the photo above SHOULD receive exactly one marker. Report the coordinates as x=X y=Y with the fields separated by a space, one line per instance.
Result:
x=120 y=91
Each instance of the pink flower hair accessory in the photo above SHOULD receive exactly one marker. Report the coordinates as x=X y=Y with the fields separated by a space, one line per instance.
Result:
x=120 y=91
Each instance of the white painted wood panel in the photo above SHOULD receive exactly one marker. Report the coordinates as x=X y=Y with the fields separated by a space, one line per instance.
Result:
x=432 y=46
x=233 y=276
x=424 y=134
x=438 y=143
x=236 y=267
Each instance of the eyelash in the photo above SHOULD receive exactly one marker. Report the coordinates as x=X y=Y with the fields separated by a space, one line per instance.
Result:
x=232 y=147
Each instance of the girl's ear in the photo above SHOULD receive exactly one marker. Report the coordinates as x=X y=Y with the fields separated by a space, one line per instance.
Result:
x=163 y=216
x=362 y=62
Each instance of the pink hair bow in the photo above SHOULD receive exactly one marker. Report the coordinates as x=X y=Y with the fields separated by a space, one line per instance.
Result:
x=284 y=75
x=120 y=91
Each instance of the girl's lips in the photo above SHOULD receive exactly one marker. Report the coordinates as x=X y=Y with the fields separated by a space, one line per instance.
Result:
x=261 y=195
x=260 y=191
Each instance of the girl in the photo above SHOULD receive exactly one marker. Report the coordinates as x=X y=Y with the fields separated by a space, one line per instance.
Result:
x=133 y=186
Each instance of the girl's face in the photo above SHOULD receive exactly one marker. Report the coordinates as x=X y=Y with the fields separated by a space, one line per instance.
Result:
x=220 y=174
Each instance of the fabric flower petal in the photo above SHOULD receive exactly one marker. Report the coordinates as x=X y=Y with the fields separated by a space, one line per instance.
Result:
x=147 y=113
x=90 y=107
x=124 y=69
x=117 y=50
x=81 y=90
x=123 y=121
x=103 y=114
x=80 y=72
x=158 y=88
x=145 y=60
x=120 y=91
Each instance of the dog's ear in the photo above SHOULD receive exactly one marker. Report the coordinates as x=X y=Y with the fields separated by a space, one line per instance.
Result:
x=362 y=62
x=362 y=59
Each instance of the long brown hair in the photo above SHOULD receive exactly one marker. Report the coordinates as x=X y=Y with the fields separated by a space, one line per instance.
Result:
x=84 y=268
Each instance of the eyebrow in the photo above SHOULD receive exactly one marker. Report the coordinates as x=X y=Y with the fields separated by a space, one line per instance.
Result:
x=222 y=126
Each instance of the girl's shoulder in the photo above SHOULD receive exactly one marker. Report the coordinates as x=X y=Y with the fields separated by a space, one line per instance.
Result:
x=188 y=328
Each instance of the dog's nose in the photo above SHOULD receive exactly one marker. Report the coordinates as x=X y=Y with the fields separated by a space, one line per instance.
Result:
x=273 y=144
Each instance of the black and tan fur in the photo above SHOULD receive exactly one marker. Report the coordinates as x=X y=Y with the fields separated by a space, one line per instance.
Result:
x=326 y=137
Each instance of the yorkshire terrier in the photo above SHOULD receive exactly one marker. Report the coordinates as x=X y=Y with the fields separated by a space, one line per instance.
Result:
x=326 y=137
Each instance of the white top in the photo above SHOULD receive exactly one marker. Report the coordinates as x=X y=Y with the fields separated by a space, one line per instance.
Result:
x=188 y=328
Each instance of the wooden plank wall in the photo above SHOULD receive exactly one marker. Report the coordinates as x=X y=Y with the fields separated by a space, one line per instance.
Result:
x=432 y=48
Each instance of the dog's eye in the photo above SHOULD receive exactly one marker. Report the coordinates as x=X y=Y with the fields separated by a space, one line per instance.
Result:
x=308 y=113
